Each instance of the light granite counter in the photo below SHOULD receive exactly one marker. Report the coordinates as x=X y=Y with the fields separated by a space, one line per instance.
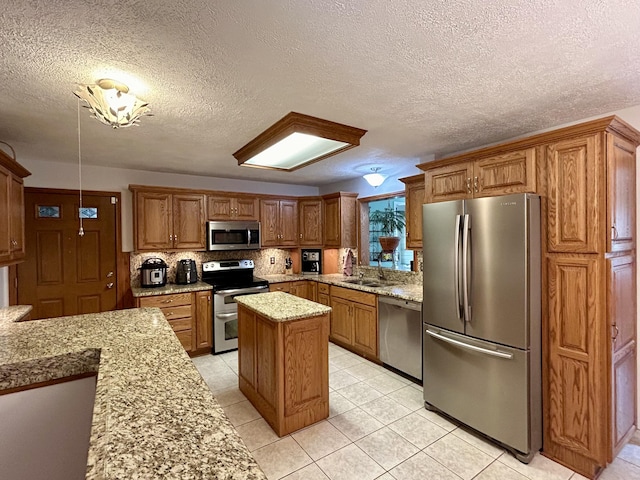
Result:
x=404 y=291
x=14 y=313
x=281 y=307
x=154 y=416
x=169 y=288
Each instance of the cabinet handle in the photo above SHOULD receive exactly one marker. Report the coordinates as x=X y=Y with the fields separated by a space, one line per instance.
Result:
x=171 y=237
x=300 y=235
x=615 y=337
x=167 y=301
x=175 y=238
x=475 y=184
x=614 y=232
x=468 y=184
x=110 y=285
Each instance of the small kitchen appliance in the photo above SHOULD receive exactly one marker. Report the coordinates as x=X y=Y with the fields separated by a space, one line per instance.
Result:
x=186 y=272
x=153 y=273
x=311 y=261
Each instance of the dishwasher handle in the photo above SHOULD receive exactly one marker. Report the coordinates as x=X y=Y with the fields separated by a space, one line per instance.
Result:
x=397 y=302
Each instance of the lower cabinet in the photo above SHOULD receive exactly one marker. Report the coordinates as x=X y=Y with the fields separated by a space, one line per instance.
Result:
x=299 y=288
x=354 y=320
x=190 y=316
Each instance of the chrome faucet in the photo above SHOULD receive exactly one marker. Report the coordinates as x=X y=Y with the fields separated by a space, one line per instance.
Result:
x=380 y=272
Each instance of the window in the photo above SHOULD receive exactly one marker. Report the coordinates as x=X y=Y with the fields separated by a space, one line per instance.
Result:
x=401 y=258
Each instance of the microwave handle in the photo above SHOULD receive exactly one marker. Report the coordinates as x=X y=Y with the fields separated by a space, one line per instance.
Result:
x=248 y=237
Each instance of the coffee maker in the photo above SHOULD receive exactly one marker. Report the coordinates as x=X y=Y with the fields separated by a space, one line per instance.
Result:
x=311 y=261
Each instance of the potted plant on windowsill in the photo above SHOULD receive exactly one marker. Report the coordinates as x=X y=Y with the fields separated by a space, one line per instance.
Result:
x=389 y=221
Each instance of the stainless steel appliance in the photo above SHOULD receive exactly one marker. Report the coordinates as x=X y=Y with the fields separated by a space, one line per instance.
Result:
x=153 y=273
x=229 y=279
x=400 y=335
x=311 y=261
x=481 y=314
x=186 y=272
x=233 y=235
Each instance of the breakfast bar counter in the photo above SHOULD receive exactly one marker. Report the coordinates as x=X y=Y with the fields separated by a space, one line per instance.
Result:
x=154 y=416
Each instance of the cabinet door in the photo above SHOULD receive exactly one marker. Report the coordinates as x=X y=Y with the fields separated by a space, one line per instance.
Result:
x=621 y=194
x=450 y=182
x=310 y=212
x=267 y=355
x=414 y=196
x=573 y=212
x=5 y=215
x=312 y=291
x=188 y=222
x=204 y=320
x=280 y=287
x=288 y=223
x=299 y=289
x=513 y=172
x=341 y=321
x=17 y=218
x=365 y=329
x=332 y=222
x=622 y=315
x=324 y=299
x=154 y=222
x=246 y=208
x=220 y=208
x=269 y=228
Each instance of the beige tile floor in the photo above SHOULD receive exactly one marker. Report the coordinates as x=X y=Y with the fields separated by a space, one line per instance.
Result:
x=378 y=428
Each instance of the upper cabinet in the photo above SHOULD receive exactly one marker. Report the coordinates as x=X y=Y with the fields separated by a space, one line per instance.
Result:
x=12 y=248
x=512 y=172
x=168 y=221
x=340 y=220
x=279 y=222
x=310 y=221
x=621 y=188
x=233 y=207
x=414 y=198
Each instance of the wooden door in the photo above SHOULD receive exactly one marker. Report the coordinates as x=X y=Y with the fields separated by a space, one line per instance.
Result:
x=64 y=273
x=153 y=221
x=621 y=193
x=310 y=212
x=269 y=228
x=288 y=223
x=449 y=182
x=204 y=320
x=5 y=215
x=341 y=321
x=246 y=208
x=188 y=222
x=513 y=172
x=219 y=208
x=365 y=329
x=16 y=227
x=414 y=197
x=622 y=315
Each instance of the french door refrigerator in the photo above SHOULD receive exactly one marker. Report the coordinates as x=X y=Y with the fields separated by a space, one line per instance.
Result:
x=481 y=317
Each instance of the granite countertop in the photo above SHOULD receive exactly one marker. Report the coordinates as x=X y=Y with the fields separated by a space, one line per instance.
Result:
x=281 y=307
x=14 y=313
x=154 y=416
x=404 y=291
x=170 y=288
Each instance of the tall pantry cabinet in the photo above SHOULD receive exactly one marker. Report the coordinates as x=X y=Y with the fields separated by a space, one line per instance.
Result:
x=586 y=179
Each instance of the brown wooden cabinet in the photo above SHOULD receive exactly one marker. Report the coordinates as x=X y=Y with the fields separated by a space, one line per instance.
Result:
x=354 y=320
x=279 y=222
x=166 y=220
x=585 y=175
x=340 y=220
x=204 y=320
x=12 y=246
x=310 y=221
x=498 y=174
x=323 y=294
x=280 y=287
x=284 y=369
x=414 y=199
x=233 y=207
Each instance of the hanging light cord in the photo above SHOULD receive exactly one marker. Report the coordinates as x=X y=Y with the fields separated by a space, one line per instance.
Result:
x=81 y=231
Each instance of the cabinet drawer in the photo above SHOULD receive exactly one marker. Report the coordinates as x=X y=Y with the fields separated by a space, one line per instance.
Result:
x=163 y=301
x=354 y=295
x=323 y=288
x=182 y=311
x=185 y=338
x=280 y=287
x=181 y=324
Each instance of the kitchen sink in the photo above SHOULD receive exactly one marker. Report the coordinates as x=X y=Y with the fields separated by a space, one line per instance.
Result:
x=369 y=283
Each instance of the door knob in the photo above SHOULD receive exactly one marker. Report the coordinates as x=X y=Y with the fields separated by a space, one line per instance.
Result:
x=110 y=274
x=110 y=285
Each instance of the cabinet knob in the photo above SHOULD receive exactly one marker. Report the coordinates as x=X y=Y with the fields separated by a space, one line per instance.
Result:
x=469 y=185
x=175 y=238
x=171 y=237
x=300 y=235
x=475 y=184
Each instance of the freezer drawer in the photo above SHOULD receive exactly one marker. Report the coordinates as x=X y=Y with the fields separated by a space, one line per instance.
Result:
x=400 y=335
x=481 y=384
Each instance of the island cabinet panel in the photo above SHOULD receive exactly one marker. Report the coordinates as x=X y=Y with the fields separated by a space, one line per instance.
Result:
x=572 y=187
x=228 y=207
x=284 y=368
x=621 y=187
x=310 y=218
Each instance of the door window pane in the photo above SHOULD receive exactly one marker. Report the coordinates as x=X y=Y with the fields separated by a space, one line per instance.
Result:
x=88 y=212
x=48 y=211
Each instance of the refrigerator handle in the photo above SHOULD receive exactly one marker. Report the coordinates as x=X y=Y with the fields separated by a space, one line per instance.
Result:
x=456 y=268
x=466 y=262
x=458 y=343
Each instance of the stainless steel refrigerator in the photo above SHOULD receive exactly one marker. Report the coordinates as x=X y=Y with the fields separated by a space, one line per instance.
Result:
x=481 y=317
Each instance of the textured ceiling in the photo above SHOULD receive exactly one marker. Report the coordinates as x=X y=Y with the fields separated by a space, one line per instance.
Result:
x=423 y=77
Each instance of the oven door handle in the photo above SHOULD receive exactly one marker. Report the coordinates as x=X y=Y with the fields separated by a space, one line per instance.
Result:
x=226 y=315
x=242 y=290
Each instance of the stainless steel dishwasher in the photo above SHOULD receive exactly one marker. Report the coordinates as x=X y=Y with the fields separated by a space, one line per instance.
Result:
x=400 y=334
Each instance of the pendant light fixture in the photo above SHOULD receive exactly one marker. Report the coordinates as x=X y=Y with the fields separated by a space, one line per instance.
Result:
x=81 y=229
x=374 y=179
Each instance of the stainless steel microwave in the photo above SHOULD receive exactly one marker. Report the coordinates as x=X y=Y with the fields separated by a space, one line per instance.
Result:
x=233 y=235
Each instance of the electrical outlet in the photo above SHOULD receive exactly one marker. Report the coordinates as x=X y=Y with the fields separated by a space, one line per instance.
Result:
x=272 y=260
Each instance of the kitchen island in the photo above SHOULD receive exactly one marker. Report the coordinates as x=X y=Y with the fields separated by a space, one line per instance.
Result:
x=283 y=352
x=154 y=416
